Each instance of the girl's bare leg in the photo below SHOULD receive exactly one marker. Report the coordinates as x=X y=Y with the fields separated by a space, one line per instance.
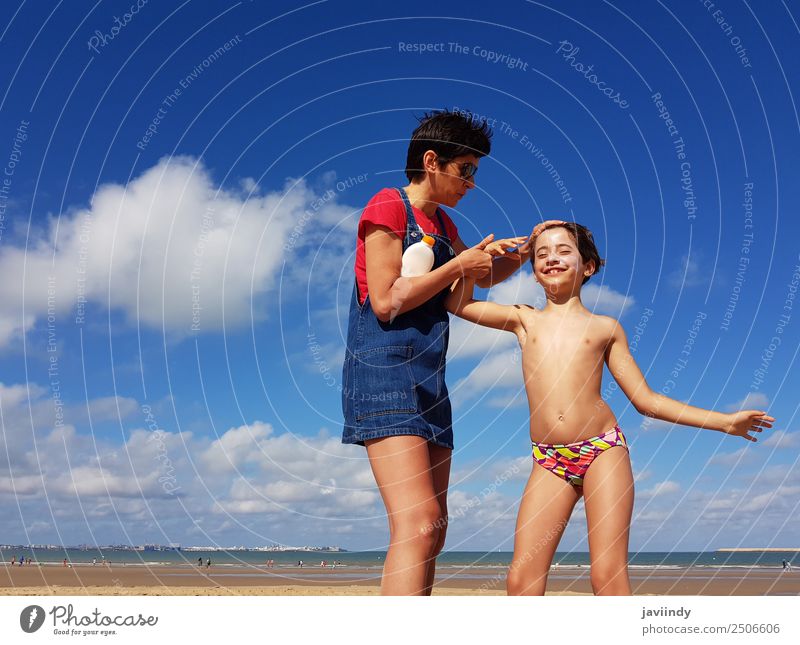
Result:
x=546 y=505
x=440 y=468
x=402 y=469
x=608 y=494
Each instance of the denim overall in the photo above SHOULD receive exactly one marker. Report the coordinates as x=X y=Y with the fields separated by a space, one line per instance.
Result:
x=393 y=375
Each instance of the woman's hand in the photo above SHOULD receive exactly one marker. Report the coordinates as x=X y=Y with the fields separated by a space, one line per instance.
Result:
x=475 y=262
x=746 y=421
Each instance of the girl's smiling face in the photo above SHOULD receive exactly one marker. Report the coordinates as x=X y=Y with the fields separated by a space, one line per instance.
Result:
x=557 y=260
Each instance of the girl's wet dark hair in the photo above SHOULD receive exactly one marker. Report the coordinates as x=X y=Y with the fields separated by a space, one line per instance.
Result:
x=585 y=242
x=449 y=135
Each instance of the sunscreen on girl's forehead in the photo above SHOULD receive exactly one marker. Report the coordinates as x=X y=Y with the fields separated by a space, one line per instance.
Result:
x=418 y=258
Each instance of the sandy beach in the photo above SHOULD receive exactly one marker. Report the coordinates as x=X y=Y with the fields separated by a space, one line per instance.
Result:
x=186 y=580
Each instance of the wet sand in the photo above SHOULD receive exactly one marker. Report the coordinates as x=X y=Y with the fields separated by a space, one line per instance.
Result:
x=185 y=580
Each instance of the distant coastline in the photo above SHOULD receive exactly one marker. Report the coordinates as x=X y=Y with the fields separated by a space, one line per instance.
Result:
x=757 y=550
x=172 y=547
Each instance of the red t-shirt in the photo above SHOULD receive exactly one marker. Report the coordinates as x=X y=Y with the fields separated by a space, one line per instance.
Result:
x=387 y=209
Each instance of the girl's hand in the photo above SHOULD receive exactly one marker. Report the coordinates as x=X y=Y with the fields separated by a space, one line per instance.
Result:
x=742 y=423
x=526 y=249
x=499 y=247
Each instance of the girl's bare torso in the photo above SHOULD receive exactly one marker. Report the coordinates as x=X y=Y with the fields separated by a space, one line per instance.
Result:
x=562 y=364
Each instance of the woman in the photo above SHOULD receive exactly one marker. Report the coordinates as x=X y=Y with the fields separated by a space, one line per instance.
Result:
x=394 y=397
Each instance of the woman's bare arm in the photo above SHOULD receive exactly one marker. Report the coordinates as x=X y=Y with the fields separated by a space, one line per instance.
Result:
x=390 y=294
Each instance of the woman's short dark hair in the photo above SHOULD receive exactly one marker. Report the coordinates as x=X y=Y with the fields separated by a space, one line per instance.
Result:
x=449 y=135
x=585 y=242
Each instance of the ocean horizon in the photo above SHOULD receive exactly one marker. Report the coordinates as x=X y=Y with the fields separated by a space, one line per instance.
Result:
x=375 y=559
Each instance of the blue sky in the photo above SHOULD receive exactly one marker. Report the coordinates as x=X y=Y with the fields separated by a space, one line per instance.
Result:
x=182 y=187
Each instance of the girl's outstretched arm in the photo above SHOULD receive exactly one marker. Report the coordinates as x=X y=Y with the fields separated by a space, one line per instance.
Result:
x=626 y=372
x=489 y=314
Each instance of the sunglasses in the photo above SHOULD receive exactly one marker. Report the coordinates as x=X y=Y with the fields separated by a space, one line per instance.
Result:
x=466 y=170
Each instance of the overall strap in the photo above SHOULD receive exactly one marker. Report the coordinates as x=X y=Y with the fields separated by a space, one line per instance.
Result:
x=442 y=227
x=411 y=221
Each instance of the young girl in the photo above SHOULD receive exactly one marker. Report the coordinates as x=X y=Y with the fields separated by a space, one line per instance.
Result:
x=578 y=447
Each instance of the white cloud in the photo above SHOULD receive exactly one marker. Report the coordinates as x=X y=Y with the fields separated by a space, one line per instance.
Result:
x=666 y=487
x=171 y=249
x=256 y=483
x=236 y=448
x=509 y=399
x=157 y=481
x=782 y=499
x=12 y=395
x=751 y=401
x=781 y=439
x=602 y=299
x=108 y=408
x=500 y=370
x=468 y=340
x=729 y=458
x=21 y=485
x=492 y=469
x=745 y=511
x=484 y=518
x=690 y=273
x=518 y=289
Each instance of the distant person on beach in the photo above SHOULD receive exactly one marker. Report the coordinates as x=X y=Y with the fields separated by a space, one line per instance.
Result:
x=94 y=562
x=578 y=447
x=65 y=562
x=199 y=562
x=208 y=563
x=13 y=560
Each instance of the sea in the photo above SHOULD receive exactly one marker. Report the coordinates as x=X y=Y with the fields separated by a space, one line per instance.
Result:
x=374 y=559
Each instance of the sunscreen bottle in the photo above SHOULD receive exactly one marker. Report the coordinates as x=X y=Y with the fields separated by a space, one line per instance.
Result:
x=418 y=258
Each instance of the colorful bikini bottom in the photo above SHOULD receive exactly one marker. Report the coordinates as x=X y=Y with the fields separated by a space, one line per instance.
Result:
x=571 y=461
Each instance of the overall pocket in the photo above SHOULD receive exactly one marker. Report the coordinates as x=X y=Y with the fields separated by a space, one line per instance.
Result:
x=443 y=334
x=383 y=383
x=347 y=389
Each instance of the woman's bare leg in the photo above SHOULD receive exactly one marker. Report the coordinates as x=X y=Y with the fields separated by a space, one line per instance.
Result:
x=402 y=469
x=546 y=505
x=608 y=493
x=440 y=468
